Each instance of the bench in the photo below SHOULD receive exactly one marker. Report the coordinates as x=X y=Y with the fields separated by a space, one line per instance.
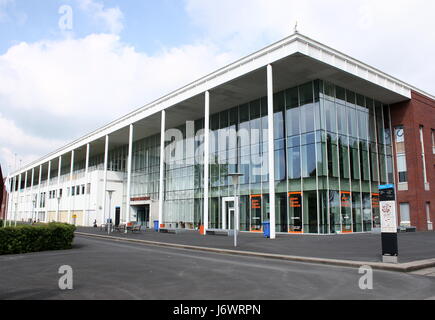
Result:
x=134 y=228
x=119 y=228
x=219 y=232
x=169 y=230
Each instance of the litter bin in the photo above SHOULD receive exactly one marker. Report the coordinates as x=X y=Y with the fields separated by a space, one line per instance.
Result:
x=266 y=229
x=156 y=225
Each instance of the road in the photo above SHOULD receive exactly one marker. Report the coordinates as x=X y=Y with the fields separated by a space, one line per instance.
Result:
x=106 y=269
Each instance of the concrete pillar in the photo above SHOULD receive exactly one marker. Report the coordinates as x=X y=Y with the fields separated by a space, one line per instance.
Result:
x=38 y=197
x=86 y=196
x=70 y=188
x=271 y=150
x=129 y=168
x=59 y=171
x=33 y=195
x=106 y=158
x=162 y=166
x=26 y=204
x=47 y=189
x=206 y=157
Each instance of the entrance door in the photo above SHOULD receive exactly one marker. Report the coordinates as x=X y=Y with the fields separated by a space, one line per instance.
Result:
x=143 y=215
x=227 y=214
x=117 y=216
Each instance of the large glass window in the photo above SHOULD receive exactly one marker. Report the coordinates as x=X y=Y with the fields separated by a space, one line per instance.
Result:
x=405 y=218
x=332 y=148
x=399 y=137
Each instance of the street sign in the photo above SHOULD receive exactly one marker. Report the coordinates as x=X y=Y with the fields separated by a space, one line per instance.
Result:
x=387 y=206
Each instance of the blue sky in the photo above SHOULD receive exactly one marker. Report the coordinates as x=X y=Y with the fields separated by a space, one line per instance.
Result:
x=57 y=85
x=148 y=25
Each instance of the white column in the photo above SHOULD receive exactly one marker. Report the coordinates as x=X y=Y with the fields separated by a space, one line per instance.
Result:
x=129 y=161
x=59 y=171
x=32 y=195
x=47 y=189
x=18 y=208
x=25 y=204
x=13 y=196
x=70 y=186
x=206 y=158
x=106 y=156
x=38 y=196
x=162 y=166
x=87 y=195
x=271 y=150
x=8 y=211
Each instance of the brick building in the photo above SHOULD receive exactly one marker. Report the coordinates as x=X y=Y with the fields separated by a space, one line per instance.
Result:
x=413 y=124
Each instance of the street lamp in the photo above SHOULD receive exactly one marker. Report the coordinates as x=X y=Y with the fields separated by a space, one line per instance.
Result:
x=109 y=224
x=235 y=177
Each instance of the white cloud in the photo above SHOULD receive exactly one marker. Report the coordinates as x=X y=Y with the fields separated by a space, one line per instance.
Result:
x=67 y=88
x=111 y=18
x=394 y=35
x=13 y=138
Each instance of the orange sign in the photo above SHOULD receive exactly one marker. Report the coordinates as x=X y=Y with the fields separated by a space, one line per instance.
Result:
x=256 y=202
x=375 y=200
x=295 y=199
x=140 y=199
x=345 y=199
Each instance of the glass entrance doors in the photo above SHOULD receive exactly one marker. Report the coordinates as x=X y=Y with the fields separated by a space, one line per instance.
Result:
x=143 y=215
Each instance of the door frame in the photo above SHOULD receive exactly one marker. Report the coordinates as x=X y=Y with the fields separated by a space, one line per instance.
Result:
x=224 y=211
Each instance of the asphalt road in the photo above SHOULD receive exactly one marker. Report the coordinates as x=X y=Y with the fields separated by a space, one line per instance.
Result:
x=105 y=269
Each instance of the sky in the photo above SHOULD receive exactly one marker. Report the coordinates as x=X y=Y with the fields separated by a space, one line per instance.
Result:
x=68 y=67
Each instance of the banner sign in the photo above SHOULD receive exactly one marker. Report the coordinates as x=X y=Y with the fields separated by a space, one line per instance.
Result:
x=387 y=210
x=388 y=217
x=387 y=206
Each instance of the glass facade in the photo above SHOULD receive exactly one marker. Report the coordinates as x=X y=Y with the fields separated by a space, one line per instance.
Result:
x=332 y=149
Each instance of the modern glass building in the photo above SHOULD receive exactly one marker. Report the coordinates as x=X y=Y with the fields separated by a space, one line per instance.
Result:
x=309 y=128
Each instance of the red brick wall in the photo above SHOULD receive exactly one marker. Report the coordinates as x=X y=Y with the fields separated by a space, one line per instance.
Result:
x=420 y=110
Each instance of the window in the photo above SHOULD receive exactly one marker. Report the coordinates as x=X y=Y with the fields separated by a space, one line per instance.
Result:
x=433 y=141
x=399 y=136
x=83 y=189
x=404 y=214
x=89 y=188
x=423 y=159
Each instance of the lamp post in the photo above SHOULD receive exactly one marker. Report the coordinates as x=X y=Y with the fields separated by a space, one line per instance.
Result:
x=235 y=178
x=109 y=224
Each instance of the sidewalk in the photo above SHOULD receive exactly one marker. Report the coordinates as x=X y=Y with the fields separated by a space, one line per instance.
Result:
x=350 y=247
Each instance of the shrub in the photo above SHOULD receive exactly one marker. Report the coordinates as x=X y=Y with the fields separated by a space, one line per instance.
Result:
x=26 y=238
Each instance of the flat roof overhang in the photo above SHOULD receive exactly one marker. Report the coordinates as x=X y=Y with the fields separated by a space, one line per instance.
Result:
x=295 y=60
